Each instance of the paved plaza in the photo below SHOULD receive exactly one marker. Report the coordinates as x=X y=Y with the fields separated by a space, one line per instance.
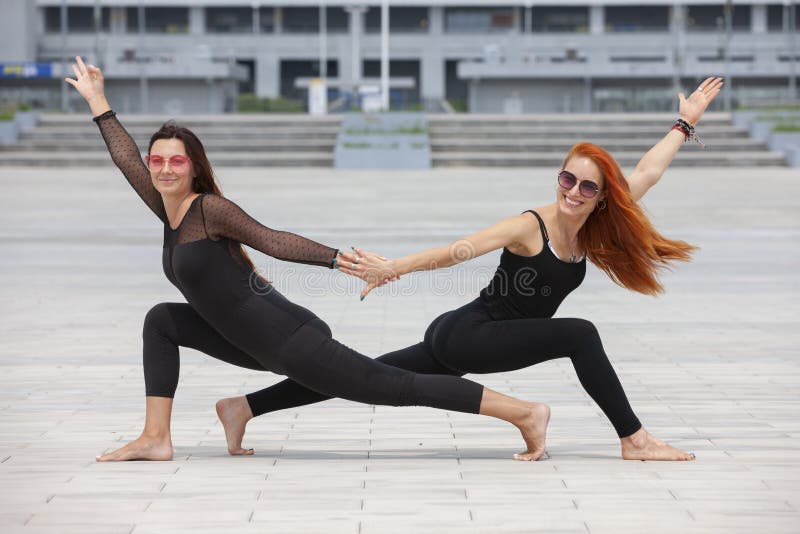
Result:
x=712 y=366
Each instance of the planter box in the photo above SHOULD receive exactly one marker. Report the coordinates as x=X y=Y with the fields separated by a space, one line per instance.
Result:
x=383 y=141
x=8 y=132
x=26 y=120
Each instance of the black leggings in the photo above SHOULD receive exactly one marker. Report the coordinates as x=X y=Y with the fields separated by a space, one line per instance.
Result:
x=468 y=340
x=318 y=364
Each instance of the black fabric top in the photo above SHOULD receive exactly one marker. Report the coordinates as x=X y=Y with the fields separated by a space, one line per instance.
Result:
x=531 y=286
x=201 y=256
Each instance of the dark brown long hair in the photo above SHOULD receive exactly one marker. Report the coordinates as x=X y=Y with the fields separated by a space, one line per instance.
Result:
x=620 y=239
x=204 y=181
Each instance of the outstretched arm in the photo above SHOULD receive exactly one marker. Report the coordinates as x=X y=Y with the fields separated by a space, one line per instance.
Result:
x=224 y=218
x=652 y=166
x=376 y=269
x=124 y=152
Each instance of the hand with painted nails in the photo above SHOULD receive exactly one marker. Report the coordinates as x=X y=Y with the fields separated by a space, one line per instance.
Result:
x=375 y=269
x=692 y=108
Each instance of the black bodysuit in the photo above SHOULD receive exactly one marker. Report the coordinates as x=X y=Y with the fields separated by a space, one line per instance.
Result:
x=509 y=327
x=225 y=318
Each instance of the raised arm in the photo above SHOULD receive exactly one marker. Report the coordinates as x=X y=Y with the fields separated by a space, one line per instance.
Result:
x=224 y=218
x=652 y=166
x=123 y=149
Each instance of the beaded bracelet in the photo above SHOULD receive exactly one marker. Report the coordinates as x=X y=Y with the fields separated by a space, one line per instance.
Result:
x=688 y=132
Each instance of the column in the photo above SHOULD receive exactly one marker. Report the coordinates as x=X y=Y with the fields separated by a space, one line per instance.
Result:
x=758 y=20
x=597 y=20
x=268 y=76
x=197 y=20
x=356 y=28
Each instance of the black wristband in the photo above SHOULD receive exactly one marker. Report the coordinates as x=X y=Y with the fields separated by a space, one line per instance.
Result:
x=107 y=114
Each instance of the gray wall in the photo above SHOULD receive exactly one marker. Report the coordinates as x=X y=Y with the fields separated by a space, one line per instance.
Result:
x=18 y=31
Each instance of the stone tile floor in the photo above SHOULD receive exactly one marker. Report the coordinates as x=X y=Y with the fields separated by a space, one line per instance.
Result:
x=712 y=366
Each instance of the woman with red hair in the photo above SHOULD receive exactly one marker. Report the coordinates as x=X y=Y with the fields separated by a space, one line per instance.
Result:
x=510 y=325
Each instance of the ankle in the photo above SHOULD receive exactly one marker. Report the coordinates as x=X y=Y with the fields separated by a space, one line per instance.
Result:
x=637 y=440
x=156 y=435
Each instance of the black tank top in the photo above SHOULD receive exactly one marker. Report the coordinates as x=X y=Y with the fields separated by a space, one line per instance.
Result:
x=531 y=286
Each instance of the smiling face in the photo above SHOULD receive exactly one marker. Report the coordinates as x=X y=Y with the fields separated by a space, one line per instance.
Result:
x=171 y=175
x=570 y=201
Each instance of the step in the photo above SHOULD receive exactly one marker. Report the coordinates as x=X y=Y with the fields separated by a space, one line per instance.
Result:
x=612 y=145
x=570 y=131
x=85 y=144
x=625 y=159
x=218 y=159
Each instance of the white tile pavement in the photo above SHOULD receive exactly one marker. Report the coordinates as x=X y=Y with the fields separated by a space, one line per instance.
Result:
x=711 y=366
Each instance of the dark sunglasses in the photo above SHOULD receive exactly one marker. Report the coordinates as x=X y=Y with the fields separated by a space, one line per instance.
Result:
x=587 y=188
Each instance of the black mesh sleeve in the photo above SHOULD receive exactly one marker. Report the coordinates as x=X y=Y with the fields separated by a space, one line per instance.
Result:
x=127 y=158
x=224 y=218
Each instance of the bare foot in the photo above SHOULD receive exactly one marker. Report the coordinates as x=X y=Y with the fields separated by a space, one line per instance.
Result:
x=534 y=431
x=142 y=448
x=644 y=446
x=234 y=413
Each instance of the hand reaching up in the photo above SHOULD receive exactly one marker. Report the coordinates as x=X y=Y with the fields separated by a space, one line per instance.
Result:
x=692 y=108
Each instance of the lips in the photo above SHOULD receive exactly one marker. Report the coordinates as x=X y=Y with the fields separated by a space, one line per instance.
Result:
x=570 y=202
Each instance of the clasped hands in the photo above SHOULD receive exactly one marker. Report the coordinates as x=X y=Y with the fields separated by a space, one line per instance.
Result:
x=374 y=269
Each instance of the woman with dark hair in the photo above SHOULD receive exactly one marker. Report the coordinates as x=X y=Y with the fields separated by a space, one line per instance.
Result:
x=225 y=318
x=510 y=325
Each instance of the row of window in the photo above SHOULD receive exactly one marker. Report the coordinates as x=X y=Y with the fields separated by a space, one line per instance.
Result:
x=403 y=19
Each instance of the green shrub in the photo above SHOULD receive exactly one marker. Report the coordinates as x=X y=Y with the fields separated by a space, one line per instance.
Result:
x=250 y=103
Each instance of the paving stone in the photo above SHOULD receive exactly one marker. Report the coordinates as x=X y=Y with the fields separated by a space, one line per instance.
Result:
x=711 y=366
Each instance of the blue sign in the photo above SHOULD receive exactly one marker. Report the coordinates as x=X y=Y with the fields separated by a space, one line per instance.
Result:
x=26 y=70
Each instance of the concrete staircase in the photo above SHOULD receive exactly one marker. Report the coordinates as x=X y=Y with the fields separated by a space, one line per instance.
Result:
x=230 y=140
x=296 y=140
x=543 y=140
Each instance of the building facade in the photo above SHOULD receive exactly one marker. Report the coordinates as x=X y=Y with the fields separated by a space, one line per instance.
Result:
x=185 y=56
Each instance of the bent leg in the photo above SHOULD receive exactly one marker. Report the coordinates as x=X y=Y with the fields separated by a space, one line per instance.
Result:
x=496 y=346
x=170 y=325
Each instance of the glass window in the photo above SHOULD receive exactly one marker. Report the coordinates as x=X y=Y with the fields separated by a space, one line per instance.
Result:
x=401 y=19
x=637 y=18
x=712 y=18
x=52 y=19
x=478 y=19
x=266 y=19
x=306 y=19
x=573 y=19
x=159 y=19
x=229 y=19
x=79 y=19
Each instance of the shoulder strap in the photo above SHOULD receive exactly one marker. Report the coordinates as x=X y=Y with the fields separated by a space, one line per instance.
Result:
x=541 y=226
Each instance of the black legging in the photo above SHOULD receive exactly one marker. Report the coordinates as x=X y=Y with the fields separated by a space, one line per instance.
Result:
x=468 y=340
x=308 y=355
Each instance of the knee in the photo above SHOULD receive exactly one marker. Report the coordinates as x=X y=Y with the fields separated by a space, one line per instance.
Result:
x=585 y=333
x=158 y=321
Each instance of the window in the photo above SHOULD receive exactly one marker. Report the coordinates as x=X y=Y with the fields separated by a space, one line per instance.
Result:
x=79 y=19
x=229 y=19
x=266 y=19
x=306 y=19
x=637 y=19
x=560 y=19
x=401 y=19
x=478 y=19
x=159 y=19
x=712 y=18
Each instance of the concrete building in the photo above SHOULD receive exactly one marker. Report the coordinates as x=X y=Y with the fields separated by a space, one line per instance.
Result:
x=182 y=56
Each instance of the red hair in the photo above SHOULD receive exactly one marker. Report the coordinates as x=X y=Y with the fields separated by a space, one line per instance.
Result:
x=620 y=239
